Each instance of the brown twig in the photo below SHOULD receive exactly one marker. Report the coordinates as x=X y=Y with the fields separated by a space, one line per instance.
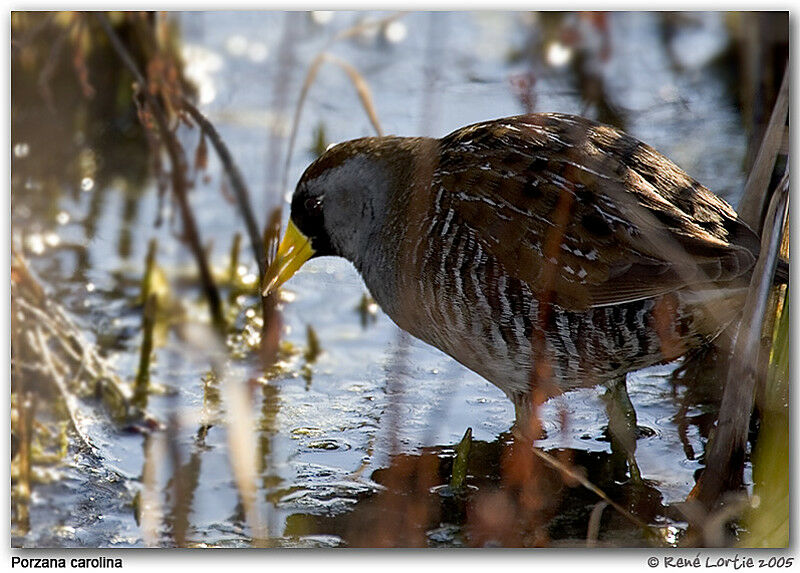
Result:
x=237 y=182
x=581 y=479
x=271 y=318
x=180 y=185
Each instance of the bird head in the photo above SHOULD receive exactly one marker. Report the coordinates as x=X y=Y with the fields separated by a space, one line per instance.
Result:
x=339 y=205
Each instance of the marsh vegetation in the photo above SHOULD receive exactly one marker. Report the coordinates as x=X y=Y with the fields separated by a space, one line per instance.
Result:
x=158 y=399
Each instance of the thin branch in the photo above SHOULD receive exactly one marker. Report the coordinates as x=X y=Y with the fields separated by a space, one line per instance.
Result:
x=178 y=173
x=581 y=479
x=237 y=182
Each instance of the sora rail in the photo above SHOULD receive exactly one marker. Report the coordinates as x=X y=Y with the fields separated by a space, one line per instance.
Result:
x=538 y=250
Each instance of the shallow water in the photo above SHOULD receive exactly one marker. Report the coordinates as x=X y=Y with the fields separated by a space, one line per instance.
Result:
x=327 y=430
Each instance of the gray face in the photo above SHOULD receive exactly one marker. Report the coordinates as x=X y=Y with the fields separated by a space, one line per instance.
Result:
x=341 y=207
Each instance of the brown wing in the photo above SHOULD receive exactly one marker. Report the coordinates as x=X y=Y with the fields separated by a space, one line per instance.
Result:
x=586 y=214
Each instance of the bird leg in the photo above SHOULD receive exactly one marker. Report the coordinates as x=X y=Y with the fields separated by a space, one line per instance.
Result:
x=622 y=429
x=527 y=425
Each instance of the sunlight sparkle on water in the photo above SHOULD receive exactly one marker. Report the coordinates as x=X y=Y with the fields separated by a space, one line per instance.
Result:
x=558 y=54
x=395 y=32
x=36 y=243
x=201 y=63
x=671 y=534
x=52 y=239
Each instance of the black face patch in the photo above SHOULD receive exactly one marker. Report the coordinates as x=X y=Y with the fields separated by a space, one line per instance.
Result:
x=308 y=214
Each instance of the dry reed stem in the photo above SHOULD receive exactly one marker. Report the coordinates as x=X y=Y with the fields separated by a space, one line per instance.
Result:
x=240 y=426
x=355 y=77
x=726 y=452
x=364 y=26
x=181 y=494
x=541 y=378
x=26 y=411
x=756 y=197
x=593 y=529
x=151 y=513
x=233 y=265
x=72 y=344
x=362 y=88
x=149 y=266
x=279 y=103
x=242 y=448
x=66 y=396
x=270 y=315
x=359 y=83
x=79 y=56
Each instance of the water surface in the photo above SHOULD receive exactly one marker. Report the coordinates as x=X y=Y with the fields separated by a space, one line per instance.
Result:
x=85 y=209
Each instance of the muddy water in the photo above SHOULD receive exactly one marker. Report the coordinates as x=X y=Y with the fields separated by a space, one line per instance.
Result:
x=84 y=210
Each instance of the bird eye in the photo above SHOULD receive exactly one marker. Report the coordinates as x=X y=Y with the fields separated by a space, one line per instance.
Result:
x=312 y=204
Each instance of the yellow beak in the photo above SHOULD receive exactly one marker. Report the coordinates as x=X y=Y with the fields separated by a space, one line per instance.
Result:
x=294 y=250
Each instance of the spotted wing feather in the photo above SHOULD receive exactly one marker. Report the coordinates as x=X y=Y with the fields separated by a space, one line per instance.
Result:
x=587 y=215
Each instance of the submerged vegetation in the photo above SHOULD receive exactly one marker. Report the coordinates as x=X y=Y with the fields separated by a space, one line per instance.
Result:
x=158 y=399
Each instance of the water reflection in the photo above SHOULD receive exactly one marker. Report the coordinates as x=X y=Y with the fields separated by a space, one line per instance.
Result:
x=344 y=450
x=68 y=155
x=416 y=508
